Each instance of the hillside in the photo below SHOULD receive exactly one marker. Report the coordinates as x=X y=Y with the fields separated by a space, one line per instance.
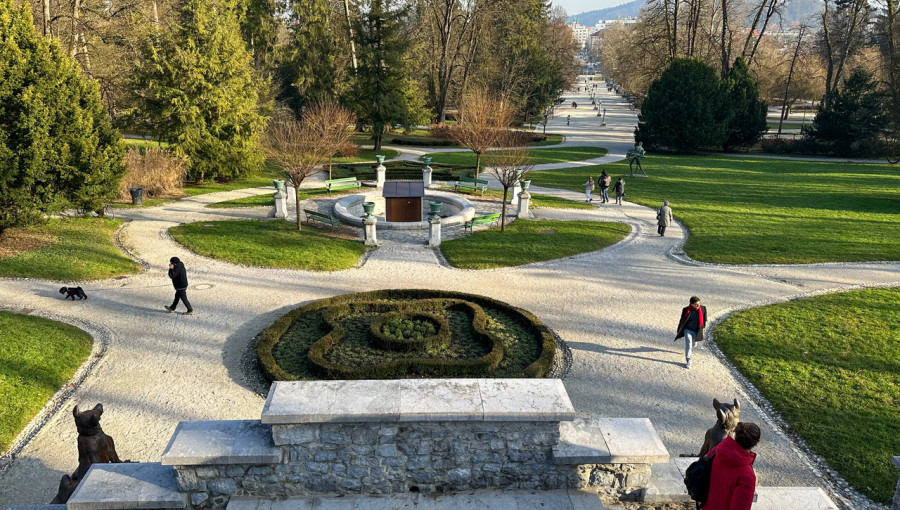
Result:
x=590 y=18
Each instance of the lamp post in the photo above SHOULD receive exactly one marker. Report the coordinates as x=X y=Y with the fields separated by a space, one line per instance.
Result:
x=603 y=119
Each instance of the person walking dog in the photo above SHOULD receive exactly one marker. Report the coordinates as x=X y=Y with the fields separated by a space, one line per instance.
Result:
x=620 y=190
x=588 y=188
x=733 y=480
x=663 y=218
x=178 y=275
x=690 y=326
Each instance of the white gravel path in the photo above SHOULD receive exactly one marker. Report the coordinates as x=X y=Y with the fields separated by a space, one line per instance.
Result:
x=616 y=308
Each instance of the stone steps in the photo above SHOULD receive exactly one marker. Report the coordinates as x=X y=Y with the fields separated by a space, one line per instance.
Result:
x=129 y=485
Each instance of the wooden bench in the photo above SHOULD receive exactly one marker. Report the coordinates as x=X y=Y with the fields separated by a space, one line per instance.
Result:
x=473 y=184
x=345 y=183
x=480 y=220
x=324 y=218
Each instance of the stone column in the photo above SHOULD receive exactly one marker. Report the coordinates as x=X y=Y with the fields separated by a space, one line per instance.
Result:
x=426 y=176
x=280 y=204
x=434 y=232
x=379 y=172
x=896 y=505
x=514 y=195
x=369 y=227
x=524 y=201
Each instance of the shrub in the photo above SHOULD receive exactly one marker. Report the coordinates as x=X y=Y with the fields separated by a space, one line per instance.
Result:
x=853 y=118
x=748 y=113
x=160 y=172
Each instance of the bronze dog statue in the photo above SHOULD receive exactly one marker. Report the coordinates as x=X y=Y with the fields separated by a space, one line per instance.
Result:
x=94 y=446
x=727 y=418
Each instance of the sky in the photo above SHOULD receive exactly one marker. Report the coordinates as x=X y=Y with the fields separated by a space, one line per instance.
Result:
x=579 y=6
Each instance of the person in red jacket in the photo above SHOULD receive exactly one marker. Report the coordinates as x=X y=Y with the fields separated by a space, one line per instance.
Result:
x=733 y=481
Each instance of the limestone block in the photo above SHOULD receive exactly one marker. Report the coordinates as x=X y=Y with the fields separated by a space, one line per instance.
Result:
x=440 y=399
x=371 y=237
x=332 y=402
x=221 y=442
x=127 y=486
x=608 y=441
x=525 y=400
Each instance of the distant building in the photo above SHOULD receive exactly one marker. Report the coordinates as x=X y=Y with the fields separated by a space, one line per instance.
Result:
x=580 y=34
x=595 y=39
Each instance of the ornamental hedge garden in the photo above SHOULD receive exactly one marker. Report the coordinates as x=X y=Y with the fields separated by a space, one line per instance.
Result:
x=391 y=334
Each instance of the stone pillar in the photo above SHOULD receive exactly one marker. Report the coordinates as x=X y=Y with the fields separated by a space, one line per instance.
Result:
x=379 y=172
x=514 y=194
x=524 y=201
x=896 y=505
x=426 y=176
x=434 y=232
x=369 y=228
x=280 y=204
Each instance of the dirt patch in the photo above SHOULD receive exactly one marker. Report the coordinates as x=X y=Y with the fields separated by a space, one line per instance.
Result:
x=15 y=241
x=547 y=231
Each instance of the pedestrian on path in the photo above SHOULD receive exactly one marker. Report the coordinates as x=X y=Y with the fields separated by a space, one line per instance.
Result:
x=605 y=181
x=620 y=190
x=690 y=326
x=733 y=480
x=588 y=188
x=568 y=118
x=178 y=274
x=663 y=218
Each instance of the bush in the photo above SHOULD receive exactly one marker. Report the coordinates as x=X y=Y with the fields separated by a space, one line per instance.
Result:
x=748 y=113
x=160 y=172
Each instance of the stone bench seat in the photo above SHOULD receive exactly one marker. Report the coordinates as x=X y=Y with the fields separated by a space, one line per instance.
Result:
x=417 y=400
x=609 y=441
x=198 y=443
x=126 y=486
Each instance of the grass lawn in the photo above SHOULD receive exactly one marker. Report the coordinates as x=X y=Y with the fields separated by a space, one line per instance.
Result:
x=37 y=357
x=551 y=140
x=525 y=242
x=831 y=367
x=365 y=155
x=72 y=249
x=557 y=203
x=538 y=156
x=753 y=211
x=269 y=244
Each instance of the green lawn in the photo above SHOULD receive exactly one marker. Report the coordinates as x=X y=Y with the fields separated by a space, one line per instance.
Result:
x=274 y=243
x=77 y=249
x=538 y=156
x=365 y=155
x=753 y=211
x=557 y=203
x=37 y=357
x=831 y=367
x=525 y=242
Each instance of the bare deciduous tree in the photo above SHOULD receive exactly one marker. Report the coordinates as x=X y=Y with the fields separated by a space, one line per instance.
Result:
x=338 y=131
x=509 y=165
x=483 y=123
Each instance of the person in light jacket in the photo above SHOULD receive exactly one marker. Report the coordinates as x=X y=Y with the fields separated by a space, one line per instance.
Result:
x=588 y=188
x=178 y=275
x=733 y=480
x=663 y=218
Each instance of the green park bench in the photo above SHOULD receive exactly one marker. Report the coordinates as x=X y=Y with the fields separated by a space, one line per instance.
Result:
x=470 y=183
x=345 y=183
x=481 y=220
x=317 y=216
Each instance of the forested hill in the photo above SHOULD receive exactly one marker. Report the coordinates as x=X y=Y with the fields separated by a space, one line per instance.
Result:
x=590 y=18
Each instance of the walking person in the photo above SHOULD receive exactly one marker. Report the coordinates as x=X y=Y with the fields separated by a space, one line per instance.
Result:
x=620 y=190
x=690 y=326
x=178 y=274
x=663 y=218
x=605 y=181
x=568 y=118
x=588 y=188
x=733 y=480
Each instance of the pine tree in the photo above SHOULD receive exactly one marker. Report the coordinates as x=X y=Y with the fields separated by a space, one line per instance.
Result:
x=57 y=147
x=200 y=93
x=853 y=117
x=748 y=112
x=307 y=72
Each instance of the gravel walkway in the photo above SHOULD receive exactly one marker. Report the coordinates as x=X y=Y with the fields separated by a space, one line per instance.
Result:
x=617 y=309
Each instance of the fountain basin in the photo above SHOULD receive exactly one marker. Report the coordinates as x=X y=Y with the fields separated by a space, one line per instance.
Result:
x=457 y=209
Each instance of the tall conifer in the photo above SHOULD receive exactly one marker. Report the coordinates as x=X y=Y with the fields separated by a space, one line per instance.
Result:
x=307 y=71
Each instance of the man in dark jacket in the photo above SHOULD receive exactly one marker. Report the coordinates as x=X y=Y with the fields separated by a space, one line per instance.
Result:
x=179 y=280
x=690 y=326
x=733 y=481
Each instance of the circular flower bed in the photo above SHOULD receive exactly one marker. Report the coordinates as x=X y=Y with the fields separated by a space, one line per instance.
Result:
x=405 y=333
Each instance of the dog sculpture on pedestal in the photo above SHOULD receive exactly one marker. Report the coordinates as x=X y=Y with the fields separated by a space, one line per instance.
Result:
x=94 y=446
x=727 y=418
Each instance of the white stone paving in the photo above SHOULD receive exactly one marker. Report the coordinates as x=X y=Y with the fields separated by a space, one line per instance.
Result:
x=616 y=308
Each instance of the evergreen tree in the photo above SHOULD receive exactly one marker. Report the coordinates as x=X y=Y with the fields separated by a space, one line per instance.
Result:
x=259 y=28
x=683 y=110
x=200 y=92
x=57 y=147
x=307 y=72
x=381 y=90
x=748 y=112
x=853 y=117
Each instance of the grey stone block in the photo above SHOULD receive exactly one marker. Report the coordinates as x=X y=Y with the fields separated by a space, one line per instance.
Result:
x=127 y=486
x=294 y=434
x=440 y=400
x=197 y=443
x=332 y=401
x=36 y=507
x=525 y=400
x=609 y=441
x=198 y=498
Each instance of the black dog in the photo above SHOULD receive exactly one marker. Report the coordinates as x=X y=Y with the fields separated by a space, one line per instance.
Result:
x=73 y=292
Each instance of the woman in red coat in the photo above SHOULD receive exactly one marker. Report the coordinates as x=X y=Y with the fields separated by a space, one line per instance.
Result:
x=733 y=481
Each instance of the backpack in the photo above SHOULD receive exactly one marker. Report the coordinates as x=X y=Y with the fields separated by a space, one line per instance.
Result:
x=696 y=479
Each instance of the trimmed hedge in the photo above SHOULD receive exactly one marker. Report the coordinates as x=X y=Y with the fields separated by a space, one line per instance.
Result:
x=412 y=302
x=379 y=338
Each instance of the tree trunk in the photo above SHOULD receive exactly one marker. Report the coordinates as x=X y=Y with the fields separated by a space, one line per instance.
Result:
x=784 y=104
x=297 y=197
x=477 y=163
x=350 y=31
x=46 y=6
x=155 y=15
x=503 y=211
x=726 y=58
x=87 y=56
x=76 y=13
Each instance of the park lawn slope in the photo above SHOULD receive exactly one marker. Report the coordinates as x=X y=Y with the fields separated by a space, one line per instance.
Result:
x=525 y=242
x=537 y=156
x=269 y=244
x=759 y=211
x=72 y=249
x=37 y=357
x=831 y=367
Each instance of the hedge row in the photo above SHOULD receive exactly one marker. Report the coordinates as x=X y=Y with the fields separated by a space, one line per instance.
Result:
x=387 y=301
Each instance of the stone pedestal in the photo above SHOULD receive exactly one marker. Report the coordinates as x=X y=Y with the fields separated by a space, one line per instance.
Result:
x=369 y=227
x=434 y=232
x=426 y=176
x=379 y=176
x=280 y=204
x=524 y=202
x=514 y=194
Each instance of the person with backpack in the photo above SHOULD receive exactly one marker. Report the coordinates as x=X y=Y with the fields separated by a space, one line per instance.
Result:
x=620 y=190
x=605 y=181
x=732 y=482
